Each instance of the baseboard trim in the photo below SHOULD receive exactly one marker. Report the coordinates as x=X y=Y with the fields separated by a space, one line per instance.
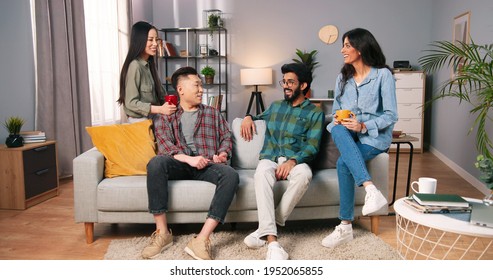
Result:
x=475 y=182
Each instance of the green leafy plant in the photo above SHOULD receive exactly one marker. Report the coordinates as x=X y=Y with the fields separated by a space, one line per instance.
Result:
x=473 y=82
x=208 y=71
x=485 y=166
x=307 y=58
x=213 y=20
x=14 y=125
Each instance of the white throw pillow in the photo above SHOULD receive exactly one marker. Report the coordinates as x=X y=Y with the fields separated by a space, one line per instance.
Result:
x=245 y=154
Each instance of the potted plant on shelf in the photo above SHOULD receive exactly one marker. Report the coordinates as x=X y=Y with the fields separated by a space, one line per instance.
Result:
x=208 y=73
x=214 y=21
x=472 y=83
x=14 y=125
x=307 y=58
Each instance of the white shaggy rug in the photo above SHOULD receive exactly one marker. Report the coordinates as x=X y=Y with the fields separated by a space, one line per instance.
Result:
x=300 y=243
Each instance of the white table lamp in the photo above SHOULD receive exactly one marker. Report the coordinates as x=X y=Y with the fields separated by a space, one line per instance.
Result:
x=256 y=77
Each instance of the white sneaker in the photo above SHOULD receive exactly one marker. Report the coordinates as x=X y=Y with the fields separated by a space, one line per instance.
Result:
x=253 y=240
x=341 y=234
x=276 y=252
x=374 y=200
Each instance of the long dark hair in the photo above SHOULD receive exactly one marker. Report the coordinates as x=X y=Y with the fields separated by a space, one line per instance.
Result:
x=138 y=42
x=371 y=53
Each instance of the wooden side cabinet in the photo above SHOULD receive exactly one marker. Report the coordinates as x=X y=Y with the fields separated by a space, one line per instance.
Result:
x=28 y=175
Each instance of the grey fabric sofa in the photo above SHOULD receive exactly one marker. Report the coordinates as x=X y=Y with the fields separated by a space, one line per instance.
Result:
x=124 y=199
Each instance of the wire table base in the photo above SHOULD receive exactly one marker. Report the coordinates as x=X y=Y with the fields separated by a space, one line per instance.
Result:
x=418 y=242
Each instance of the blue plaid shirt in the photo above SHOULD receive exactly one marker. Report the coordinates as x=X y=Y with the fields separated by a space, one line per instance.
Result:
x=292 y=132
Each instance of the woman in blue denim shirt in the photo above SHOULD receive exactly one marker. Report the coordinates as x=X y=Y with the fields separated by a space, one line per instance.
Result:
x=365 y=86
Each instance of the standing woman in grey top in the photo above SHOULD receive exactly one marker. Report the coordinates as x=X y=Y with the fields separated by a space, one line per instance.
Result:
x=141 y=92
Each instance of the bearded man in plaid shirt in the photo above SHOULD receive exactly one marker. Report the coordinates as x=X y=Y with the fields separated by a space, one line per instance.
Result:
x=292 y=139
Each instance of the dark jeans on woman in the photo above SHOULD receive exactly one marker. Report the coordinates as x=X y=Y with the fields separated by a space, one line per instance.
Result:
x=162 y=168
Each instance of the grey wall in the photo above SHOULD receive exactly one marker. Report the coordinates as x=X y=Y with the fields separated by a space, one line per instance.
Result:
x=142 y=10
x=16 y=64
x=267 y=34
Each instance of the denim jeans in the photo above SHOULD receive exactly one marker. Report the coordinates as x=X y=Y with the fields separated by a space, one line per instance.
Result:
x=162 y=168
x=264 y=179
x=351 y=167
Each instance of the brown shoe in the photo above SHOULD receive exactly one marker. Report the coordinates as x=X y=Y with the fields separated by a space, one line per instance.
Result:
x=159 y=242
x=199 y=249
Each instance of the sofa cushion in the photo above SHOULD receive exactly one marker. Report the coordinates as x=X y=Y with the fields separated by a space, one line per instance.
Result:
x=245 y=153
x=129 y=193
x=328 y=152
x=127 y=148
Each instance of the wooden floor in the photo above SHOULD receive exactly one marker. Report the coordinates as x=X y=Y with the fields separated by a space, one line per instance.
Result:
x=47 y=231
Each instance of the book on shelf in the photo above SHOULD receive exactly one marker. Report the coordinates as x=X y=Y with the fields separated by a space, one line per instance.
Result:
x=432 y=209
x=170 y=49
x=30 y=141
x=32 y=133
x=33 y=136
x=215 y=101
x=435 y=199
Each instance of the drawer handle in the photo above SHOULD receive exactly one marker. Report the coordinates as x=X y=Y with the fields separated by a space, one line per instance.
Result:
x=40 y=149
x=43 y=171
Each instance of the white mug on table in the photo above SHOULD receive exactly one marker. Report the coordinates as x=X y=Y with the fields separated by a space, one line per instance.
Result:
x=425 y=185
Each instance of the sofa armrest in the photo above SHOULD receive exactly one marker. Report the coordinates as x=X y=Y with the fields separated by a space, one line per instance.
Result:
x=88 y=172
x=379 y=170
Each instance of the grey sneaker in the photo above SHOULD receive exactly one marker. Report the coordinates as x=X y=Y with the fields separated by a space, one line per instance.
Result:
x=253 y=240
x=276 y=252
x=374 y=200
x=341 y=234
x=159 y=242
x=199 y=249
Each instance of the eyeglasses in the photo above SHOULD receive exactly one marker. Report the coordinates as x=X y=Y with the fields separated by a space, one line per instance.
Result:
x=290 y=83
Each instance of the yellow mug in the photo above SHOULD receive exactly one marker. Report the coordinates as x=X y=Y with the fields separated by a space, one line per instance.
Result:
x=343 y=114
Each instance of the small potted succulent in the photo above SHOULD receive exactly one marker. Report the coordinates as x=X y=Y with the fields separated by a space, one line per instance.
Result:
x=208 y=73
x=14 y=125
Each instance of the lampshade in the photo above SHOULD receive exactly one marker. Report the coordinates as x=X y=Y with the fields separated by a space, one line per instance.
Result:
x=256 y=76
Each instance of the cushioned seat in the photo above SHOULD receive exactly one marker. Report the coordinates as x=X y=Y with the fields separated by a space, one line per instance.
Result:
x=123 y=199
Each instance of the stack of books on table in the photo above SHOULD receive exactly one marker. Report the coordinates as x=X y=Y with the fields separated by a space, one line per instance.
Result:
x=33 y=136
x=438 y=203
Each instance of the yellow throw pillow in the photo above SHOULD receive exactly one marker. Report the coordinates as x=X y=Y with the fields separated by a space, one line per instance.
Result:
x=127 y=148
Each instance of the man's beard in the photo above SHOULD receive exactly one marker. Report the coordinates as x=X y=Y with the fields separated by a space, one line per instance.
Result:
x=295 y=95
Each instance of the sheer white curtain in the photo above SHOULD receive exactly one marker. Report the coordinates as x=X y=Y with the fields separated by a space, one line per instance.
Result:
x=107 y=37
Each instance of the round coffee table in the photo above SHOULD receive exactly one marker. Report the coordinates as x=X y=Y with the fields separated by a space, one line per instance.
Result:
x=440 y=236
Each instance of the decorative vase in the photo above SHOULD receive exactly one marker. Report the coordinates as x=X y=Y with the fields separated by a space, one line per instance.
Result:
x=14 y=140
x=488 y=199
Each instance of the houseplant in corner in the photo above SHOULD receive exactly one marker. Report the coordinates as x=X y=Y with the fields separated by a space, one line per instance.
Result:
x=473 y=84
x=14 y=125
x=208 y=73
x=307 y=58
x=485 y=166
